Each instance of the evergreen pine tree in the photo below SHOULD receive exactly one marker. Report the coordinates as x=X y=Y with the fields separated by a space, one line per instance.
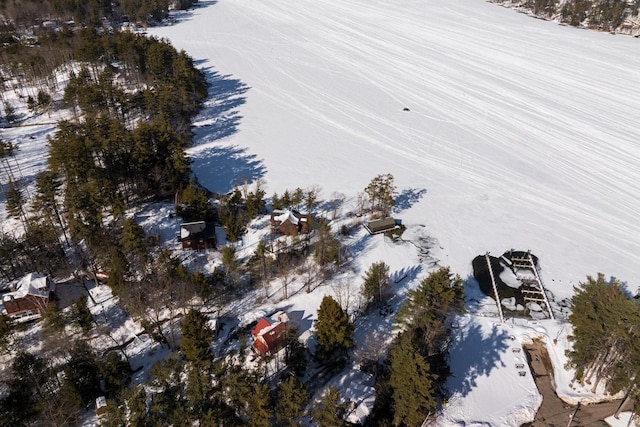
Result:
x=381 y=192
x=327 y=247
x=411 y=380
x=260 y=406
x=285 y=200
x=334 y=332
x=196 y=337
x=292 y=398
x=116 y=373
x=376 y=282
x=424 y=316
x=82 y=374
x=295 y=354
x=296 y=198
x=606 y=326
x=132 y=239
x=329 y=411
x=6 y=333
x=81 y=315
x=229 y=260
x=195 y=205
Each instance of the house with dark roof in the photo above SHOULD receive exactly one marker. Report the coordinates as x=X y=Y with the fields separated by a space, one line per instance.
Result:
x=269 y=332
x=197 y=235
x=381 y=225
x=30 y=296
x=290 y=222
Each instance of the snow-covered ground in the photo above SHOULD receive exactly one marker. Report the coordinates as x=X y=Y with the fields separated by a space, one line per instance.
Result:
x=521 y=133
x=502 y=131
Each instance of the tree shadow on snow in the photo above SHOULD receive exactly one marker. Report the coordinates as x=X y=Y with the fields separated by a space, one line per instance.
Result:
x=299 y=319
x=219 y=117
x=180 y=16
x=219 y=168
x=475 y=354
x=408 y=198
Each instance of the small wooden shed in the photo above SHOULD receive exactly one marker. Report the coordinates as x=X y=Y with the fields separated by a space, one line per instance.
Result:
x=381 y=225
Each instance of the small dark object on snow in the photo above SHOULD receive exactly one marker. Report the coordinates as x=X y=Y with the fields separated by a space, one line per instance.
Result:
x=405 y=109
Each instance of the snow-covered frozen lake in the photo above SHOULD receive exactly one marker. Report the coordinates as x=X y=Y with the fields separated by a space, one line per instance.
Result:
x=520 y=133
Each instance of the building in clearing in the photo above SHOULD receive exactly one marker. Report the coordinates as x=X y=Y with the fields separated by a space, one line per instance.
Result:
x=197 y=235
x=290 y=222
x=30 y=296
x=268 y=333
x=381 y=225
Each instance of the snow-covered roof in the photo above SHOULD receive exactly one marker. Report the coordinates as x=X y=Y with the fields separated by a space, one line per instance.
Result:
x=188 y=228
x=287 y=215
x=33 y=284
x=268 y=323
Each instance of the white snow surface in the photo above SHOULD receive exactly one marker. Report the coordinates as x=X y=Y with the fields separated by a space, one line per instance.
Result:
x=518 y=133
x=501 y=131
x=521 y=133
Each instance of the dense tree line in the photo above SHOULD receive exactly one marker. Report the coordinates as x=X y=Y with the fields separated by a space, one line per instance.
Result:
x=89 y=12
x=133 y=100
x=602 y=14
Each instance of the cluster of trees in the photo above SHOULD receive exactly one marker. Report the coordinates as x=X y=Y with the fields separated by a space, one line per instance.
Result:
x=89 y=12
x=297 y=199
x=50 y=388
x=125 y=144
x=191 y=386
x=606 y=337
x=380 y=193
x=602 y=14
x=409 y=390
x=38 y=248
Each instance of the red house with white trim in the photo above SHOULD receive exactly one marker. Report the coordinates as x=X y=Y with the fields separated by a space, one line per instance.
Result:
x=30 y=296
x=268 y=332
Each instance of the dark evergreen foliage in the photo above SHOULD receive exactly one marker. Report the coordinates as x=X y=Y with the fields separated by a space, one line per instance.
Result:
x=425 y=316
x=334 y=332
x=412 y=382
x=260 y=406
x=115 y=372
x=376 y=283
x=81 y=315
x=606 y=327
x=326 y=248
x=292 y=398
x=295 y=355
x=196 y=338
x=329 y=411
x=194 y=204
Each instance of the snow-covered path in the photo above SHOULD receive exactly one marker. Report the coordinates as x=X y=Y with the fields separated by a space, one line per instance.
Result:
x=523 y=132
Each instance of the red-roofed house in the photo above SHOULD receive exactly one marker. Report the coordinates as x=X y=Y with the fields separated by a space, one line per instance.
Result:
x=268 y=332
x=30 y=296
